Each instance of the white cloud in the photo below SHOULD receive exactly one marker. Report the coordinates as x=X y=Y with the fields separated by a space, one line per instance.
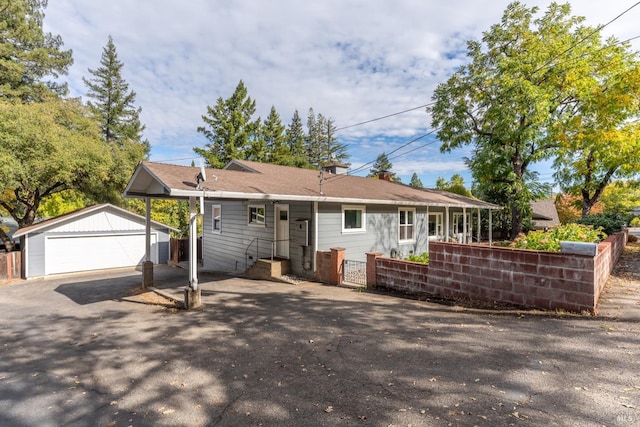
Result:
x=350 y=60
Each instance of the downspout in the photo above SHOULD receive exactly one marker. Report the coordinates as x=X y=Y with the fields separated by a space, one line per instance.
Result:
x=315 y=236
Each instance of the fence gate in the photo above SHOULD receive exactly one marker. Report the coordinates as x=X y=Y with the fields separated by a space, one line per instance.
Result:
x=354 y=272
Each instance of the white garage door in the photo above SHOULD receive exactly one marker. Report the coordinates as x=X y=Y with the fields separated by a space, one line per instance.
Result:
x=66 y=254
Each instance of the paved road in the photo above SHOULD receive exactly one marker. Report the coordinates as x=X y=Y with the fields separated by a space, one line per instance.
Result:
x=73 y=351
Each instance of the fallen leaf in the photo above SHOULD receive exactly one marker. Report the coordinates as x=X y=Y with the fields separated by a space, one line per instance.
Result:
x=328 y=409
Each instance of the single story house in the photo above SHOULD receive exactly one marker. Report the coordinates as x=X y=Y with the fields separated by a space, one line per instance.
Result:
x=544 y=214
x=257 y=210
x=93 y=238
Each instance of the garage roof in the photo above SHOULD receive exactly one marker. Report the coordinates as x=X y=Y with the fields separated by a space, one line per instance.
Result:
x=44 y=225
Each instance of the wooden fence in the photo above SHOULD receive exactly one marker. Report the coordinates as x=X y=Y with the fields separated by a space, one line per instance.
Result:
x=10 y=265
x=180 y=249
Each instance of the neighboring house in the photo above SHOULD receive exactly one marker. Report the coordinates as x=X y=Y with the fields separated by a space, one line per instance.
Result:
x=93 y=238
x=544 y=214
x=258 y=210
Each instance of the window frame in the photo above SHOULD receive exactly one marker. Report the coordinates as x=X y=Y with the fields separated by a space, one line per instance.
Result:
x=439 y=225
x=217 y=230
x=363 y=219
x=413 y=224
x=250 y=219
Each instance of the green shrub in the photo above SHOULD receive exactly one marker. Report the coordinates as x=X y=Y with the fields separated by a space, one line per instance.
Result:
x=550 y=240
x=423 y=258
x=610 y=223
x=635 y=222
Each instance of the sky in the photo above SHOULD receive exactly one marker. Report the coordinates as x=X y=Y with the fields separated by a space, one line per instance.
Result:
x=352 y=61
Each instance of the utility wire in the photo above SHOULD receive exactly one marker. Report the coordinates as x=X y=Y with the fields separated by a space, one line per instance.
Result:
x=384 y=117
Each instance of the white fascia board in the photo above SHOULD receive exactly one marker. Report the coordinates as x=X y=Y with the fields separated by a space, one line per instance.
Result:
x=298 y=198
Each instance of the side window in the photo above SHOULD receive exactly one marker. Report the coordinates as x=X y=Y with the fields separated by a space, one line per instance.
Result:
x=216 y=224
x=406 y=223
x=256 y=215
x=435 y=225
x=353 y=219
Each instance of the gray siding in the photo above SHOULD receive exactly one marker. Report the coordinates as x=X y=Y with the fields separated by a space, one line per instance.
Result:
x=234 y=248
x=35 y=254
x=381 y=232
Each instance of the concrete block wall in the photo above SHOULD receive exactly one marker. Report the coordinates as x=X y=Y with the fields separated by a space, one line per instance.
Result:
x=538 y=279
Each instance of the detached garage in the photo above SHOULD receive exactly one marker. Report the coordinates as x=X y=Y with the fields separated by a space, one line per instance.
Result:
x=94 y=238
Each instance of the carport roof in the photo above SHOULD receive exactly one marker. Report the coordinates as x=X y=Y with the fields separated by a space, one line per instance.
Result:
x=247 y=180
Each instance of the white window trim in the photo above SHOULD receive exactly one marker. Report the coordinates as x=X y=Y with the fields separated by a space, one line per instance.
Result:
x=458 y=219
x=264 y=219
x=364 y=219
x=439 y=225
x=213 y=219
x=413 y=233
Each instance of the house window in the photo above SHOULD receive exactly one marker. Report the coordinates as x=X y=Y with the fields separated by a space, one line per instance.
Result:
x=458 y=223
x=435 y=225
x=406 y=221
x=216 y=214
x=353 y=219
x=256 y=215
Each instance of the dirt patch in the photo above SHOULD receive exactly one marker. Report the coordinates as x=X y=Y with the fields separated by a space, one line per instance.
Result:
x=145 y=296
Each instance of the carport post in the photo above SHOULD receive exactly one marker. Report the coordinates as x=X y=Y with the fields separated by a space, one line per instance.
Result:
x=192 y=292
x=147 y=265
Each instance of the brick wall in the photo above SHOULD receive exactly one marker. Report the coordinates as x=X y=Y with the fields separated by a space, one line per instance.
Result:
x=329 y=266
x=539 y=279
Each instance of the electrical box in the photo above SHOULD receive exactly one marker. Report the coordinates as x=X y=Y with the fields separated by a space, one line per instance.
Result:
x=303 y=227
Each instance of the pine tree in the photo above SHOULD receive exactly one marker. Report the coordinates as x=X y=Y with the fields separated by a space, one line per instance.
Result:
x=28 y=55
x=383 y=164
x=322 y=146
x=113 y=103
x=113 y=108
x=230 y=128
x=273 y=133
x=332 y=150
x=296 y=142
x=415 y=181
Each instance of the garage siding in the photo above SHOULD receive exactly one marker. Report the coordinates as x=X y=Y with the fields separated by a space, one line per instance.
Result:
x=102 y=239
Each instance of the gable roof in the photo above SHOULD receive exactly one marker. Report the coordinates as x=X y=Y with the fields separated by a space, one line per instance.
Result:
x=242 y=179
x=544 y=213
x=43 y=225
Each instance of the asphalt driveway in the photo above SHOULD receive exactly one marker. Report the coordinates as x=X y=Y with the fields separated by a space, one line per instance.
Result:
x=74 y=351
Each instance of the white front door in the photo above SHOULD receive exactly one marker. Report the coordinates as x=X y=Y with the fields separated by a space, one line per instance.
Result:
x=282 y=231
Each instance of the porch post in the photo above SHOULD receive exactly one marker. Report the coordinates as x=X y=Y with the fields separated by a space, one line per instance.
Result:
x=464 y=225
x=479 y=226
x=490 y=226
x=428 y=229
x=147 y=265
x=192 y=292
x=447 y=231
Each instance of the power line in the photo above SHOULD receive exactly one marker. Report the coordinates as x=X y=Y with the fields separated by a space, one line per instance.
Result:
x=597 y=30
x=385 y=117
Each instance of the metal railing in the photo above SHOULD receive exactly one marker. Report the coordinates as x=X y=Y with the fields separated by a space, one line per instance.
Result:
x=354 y=272
x=257 y=241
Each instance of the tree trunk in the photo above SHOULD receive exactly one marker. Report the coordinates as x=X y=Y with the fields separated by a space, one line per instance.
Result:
x=8 y=244
x=516 y=221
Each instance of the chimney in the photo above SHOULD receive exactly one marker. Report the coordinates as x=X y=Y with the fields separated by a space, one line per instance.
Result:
x=337 y=168
x=384 y=175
